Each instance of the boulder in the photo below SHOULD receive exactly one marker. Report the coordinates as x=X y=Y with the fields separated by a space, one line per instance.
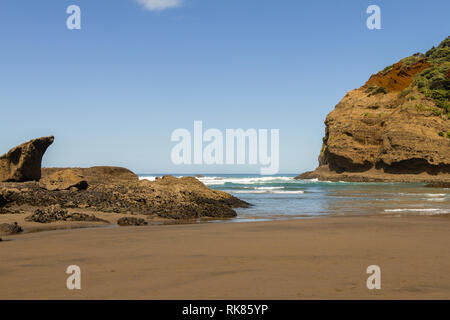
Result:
x=8 y=229
x=48 y=215
x=95 y=175
x=131 y=221
x=3 y=200
x=23 y=163
x=63 y=180
x=56 y=213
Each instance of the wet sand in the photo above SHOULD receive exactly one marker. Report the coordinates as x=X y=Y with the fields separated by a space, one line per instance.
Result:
x=322 y=258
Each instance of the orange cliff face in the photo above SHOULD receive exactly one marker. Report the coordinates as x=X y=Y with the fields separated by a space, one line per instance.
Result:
x=386 y=130
x=398 y=77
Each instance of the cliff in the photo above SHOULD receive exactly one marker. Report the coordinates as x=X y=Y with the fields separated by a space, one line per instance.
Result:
x=395 y=127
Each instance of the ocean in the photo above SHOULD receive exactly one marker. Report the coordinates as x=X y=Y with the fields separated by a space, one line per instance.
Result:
x=282 y=197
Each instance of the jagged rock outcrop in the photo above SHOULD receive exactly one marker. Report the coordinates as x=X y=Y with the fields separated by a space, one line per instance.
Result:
x=395 y=127
x=23 y=163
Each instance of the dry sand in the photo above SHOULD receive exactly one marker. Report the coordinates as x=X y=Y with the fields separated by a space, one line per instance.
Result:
x=322 y=258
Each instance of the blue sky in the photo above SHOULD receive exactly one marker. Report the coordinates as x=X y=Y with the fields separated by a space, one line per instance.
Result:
x=113 y=92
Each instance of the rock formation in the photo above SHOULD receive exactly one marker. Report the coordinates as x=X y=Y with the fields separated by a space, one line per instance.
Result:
x=56 y=213
x=63 y=180
x=131 y=221
x=23 y=163
x=94 y=175
x=100 y=189
x=9 y=229
x=118 y=190
x=395 y=127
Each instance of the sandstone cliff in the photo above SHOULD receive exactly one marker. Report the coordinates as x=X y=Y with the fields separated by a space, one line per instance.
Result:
x=395 y=127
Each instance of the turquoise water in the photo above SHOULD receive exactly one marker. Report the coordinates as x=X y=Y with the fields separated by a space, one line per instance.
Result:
x=283 y=197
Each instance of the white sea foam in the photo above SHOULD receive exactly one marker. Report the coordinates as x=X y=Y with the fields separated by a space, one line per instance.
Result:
x=430 y=195
x=420 y=210
x=244 y=180
x=269 y=188
x=289 y=192
x=266 y=191
x=214 y=180
x=149 y=178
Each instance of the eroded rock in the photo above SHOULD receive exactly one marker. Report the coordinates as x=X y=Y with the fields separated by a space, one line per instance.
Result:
x=168 y=197
x=9 y=229
x=131 y=221
x=63 y=180
x=94 y=175
x=56 y=213
x=391 y=129
x=23 y=163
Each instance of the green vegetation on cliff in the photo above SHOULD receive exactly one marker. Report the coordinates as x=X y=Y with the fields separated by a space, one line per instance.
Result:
x=434 y=82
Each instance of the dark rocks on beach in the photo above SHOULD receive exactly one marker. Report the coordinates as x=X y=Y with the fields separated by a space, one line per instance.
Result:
x=3 y=201
x=9 y=229
x=48 y=215
x=23 y=163
x=103 y=189
x=168 y=197
x=131 y=221
x=76 y=216
x=56 y=213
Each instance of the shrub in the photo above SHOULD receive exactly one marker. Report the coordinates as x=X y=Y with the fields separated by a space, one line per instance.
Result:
x=421 y=107
x=404 y=93
x=409 y=61
x=436 y=111
x=387 y=69
x=377 y=90
x=370 y=88
x=434 y=82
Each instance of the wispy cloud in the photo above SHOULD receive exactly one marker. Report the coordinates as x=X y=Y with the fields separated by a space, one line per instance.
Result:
x=159 y=5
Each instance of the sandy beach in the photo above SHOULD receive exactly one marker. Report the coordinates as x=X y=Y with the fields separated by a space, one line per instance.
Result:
x=322 y=258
